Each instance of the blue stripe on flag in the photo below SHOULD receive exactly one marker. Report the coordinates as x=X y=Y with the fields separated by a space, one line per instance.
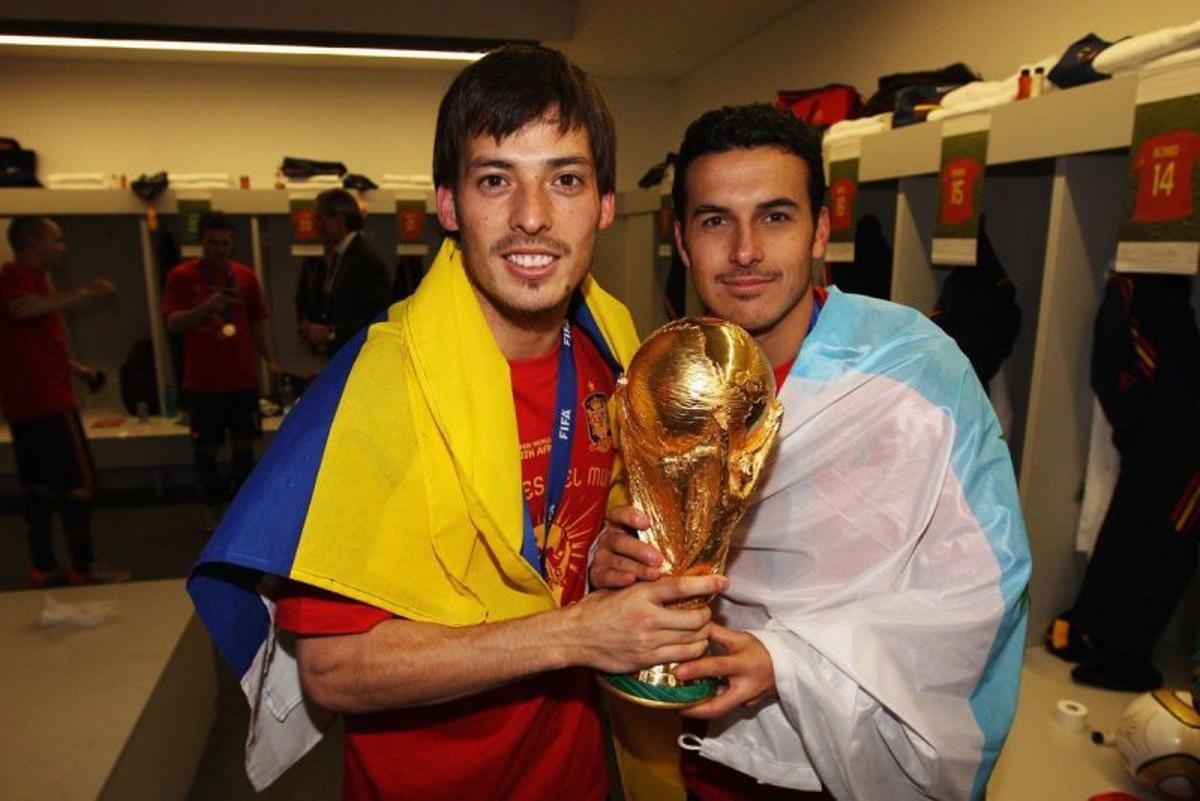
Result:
x=261 y=531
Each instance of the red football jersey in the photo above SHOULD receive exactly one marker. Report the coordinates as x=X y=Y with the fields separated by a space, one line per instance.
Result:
x=1164 y=165
x=841 y=204
x=958 y=190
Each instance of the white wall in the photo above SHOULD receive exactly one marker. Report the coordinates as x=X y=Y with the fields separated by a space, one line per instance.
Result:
x=130 y=117
x=856 y=41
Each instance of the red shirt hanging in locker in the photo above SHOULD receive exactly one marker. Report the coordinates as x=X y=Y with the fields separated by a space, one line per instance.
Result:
x=1164 y=165
x=841 y=203
x=958 y=190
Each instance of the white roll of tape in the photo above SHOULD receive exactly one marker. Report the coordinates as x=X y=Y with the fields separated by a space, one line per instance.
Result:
x=1071 y=715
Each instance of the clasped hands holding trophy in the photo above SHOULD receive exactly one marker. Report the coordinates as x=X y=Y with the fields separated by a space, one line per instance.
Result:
x=696 y=416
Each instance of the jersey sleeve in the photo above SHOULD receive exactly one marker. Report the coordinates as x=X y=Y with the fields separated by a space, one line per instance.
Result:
x=256 y=306
x=175 y=293
x=308 y=611
x=17 y=282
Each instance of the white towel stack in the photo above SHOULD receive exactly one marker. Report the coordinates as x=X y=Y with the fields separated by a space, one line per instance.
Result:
x=81 y=180
x=1137 y=51
x=396 y=181
x=321 y=182
x=856 y=129
x=982 y=95
x=199 y=180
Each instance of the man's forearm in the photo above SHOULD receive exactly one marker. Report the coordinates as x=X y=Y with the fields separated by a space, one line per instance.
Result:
x=31 y=306
x=402 y=663
x=180 y=321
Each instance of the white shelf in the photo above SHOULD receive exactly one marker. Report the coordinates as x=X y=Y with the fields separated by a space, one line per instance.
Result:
x=1084 y=119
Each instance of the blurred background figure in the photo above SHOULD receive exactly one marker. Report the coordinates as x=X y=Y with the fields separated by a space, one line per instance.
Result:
x=54 y=462
x=349 y=287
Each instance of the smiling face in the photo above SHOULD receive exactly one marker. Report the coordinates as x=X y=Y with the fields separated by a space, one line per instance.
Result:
x=749 y=237
x=527 y=209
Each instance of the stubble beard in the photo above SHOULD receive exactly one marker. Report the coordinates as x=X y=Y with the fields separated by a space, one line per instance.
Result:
x=546 y=313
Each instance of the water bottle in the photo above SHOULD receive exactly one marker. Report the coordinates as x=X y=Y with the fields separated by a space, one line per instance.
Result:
x=169 y=401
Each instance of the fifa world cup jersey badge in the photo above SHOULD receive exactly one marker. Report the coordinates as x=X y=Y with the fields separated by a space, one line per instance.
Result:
x=595 y=407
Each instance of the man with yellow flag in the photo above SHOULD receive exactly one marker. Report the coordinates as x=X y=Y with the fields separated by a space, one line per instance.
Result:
x=412 y=551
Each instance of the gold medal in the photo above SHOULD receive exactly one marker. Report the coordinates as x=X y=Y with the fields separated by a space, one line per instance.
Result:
x=228 y=330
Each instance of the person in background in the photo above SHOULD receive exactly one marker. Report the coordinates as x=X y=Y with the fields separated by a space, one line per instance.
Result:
x=54 y=462
x=871 y=638
x=217 y=304
x=344 y=291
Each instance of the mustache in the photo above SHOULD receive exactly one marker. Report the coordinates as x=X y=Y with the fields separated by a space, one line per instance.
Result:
x=518 y=241
x=735 y=275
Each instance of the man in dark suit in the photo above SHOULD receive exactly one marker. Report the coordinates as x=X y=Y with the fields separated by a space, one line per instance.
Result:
x=345 y=290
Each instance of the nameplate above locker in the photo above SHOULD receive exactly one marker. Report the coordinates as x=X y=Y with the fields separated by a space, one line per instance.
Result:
x=1160 y=221
x=843 y=195
x=960 y=189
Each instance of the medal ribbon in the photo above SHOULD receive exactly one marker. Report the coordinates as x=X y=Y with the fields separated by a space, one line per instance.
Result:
x=562 y=436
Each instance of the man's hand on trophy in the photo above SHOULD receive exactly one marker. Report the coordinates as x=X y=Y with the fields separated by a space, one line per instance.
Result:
x=746 y=665
x=620 y=558
x=620 y=631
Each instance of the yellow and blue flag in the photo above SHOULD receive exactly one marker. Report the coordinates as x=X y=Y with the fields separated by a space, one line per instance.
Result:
x=395 y=481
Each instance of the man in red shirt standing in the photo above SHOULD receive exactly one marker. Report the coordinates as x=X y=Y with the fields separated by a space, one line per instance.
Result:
x=53 y=459
x=218 y=305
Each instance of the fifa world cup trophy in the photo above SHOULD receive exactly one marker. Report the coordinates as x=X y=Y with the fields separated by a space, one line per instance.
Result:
x=697 y=417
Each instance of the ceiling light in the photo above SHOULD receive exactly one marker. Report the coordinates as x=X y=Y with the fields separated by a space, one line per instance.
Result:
x=237 y=47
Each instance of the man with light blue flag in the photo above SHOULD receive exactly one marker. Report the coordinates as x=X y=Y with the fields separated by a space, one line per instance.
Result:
x=872 y=634
x=411 y=553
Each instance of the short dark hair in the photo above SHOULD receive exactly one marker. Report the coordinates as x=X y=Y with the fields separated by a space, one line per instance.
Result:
x=743 y=128
x=340 y=203
x=511 y=87
x=23 y=230
x=214 y=221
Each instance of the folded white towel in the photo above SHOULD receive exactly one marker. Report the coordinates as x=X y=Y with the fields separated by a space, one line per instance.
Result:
x=317 y=179
x=856 y=129
x=71 y=185
x=1132 y=53
x=185 y=185
x=191 y=177
x=977 y=91
x=397 y=178
x=79 y=178
x=1174 y=60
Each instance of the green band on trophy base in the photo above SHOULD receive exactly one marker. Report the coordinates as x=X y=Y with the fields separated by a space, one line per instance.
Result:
x=628 y=686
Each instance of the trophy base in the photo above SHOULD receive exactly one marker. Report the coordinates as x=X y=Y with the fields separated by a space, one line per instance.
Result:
x=658 y=688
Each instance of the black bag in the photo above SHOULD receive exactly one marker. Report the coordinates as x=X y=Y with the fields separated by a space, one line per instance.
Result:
x=1075 y=66
x=139 y=382
x=301 y=169
x=148 y=187
x=890 y=85
x=18 y=167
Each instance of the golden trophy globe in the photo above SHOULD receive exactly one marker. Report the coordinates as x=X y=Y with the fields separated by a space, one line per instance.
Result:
x=696 y=414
